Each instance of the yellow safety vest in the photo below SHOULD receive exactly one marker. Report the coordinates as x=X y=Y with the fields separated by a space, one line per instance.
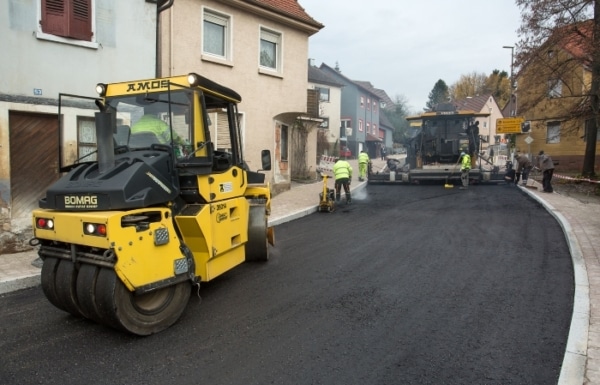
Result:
x=149 y=123
x=342 y=169
x=466 y=162
x=363 y=157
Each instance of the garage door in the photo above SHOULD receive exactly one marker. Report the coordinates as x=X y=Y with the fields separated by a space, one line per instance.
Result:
x=33 y=159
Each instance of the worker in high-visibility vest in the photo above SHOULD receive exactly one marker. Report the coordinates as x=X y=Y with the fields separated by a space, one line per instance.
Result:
x=151 y=123
x=363 y=163
x=343 y=176
x=465 y=167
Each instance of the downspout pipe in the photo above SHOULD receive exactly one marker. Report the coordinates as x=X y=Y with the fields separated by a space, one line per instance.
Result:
x=161 y=5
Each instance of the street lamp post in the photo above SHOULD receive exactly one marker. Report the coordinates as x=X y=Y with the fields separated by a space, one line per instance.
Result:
x=512 y=112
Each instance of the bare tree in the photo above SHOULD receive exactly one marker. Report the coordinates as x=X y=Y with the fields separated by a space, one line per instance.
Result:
x=566 y=23
x=472 y=84
x=397 y=114
x=498 y=84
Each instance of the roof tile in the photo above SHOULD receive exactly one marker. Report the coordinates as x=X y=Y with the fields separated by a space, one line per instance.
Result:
x=288 y=7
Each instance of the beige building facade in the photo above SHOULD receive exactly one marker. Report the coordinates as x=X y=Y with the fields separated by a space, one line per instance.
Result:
x=260 y=50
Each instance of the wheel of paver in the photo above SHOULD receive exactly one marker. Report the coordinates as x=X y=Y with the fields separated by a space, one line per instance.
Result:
x=48 y=281
x=86 y=292
x=142 y=314
x=257 y=248
x=66 y=287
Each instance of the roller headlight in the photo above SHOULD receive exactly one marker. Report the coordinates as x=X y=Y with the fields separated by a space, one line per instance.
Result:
x=101 y=89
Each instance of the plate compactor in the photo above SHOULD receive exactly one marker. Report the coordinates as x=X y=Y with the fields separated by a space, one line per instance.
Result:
x=326 y=197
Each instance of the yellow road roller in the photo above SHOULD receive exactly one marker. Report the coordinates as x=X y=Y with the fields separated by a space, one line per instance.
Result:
x=155 y=198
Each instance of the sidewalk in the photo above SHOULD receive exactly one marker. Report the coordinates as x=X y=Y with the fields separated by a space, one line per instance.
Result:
x=580 y=222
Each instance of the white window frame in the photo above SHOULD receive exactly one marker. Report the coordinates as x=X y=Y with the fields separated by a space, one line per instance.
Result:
x=552 y=132
x=586 y=127
x=324 y=94
x=275 y=37
x=87 y=142
x=225 y=21
x=554 y=88
x=344 y=125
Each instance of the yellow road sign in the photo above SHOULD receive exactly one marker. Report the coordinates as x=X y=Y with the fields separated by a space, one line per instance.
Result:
x=509 y=125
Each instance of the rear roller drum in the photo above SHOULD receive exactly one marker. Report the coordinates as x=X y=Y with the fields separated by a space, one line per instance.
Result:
x=257 y=248
x=142 y=314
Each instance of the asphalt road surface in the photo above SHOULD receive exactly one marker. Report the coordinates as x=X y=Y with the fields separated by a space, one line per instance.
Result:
x=408 y=285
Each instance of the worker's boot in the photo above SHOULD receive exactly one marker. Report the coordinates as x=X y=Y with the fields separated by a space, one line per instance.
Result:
x=338 y=196
x=348 y=198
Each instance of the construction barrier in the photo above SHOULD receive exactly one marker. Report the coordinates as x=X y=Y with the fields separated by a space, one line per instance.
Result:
x=570 y=178
x=326 y=164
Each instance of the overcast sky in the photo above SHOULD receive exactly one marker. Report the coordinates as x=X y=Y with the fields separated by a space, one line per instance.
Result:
x=405 y=47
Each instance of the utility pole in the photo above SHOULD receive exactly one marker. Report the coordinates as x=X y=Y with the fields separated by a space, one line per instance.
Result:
x=512 y=107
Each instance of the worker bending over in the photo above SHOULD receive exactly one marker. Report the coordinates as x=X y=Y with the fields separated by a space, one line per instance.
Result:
x=343 y=175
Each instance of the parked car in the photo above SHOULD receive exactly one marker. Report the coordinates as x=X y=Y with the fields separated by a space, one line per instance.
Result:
x=345 y=151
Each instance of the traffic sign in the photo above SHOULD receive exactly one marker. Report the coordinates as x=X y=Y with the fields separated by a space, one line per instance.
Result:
x=509 y=125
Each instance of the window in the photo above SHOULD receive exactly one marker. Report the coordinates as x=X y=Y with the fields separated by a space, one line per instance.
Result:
x=589 y=124
x=86 y=128
x=554 y=88
x=345 y=128
x=270 y=49
x=215 y=34
x=368 y=104
x=360 y=125
x=284 y=142
x=325 y=123
x=553 y=132
x=368 y=128
x=362 y=102
x=323 y=94
x=67 y=18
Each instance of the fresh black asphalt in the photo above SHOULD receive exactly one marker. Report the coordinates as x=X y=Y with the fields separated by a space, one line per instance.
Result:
x=407 y=285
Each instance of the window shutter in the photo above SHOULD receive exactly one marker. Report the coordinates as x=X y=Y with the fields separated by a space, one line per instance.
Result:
x=81 y=20
x=54 y=17
x=223 y=137
x=68 y=18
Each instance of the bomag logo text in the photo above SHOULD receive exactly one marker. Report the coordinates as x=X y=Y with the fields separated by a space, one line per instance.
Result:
x=147 y=86
x=88 y=200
